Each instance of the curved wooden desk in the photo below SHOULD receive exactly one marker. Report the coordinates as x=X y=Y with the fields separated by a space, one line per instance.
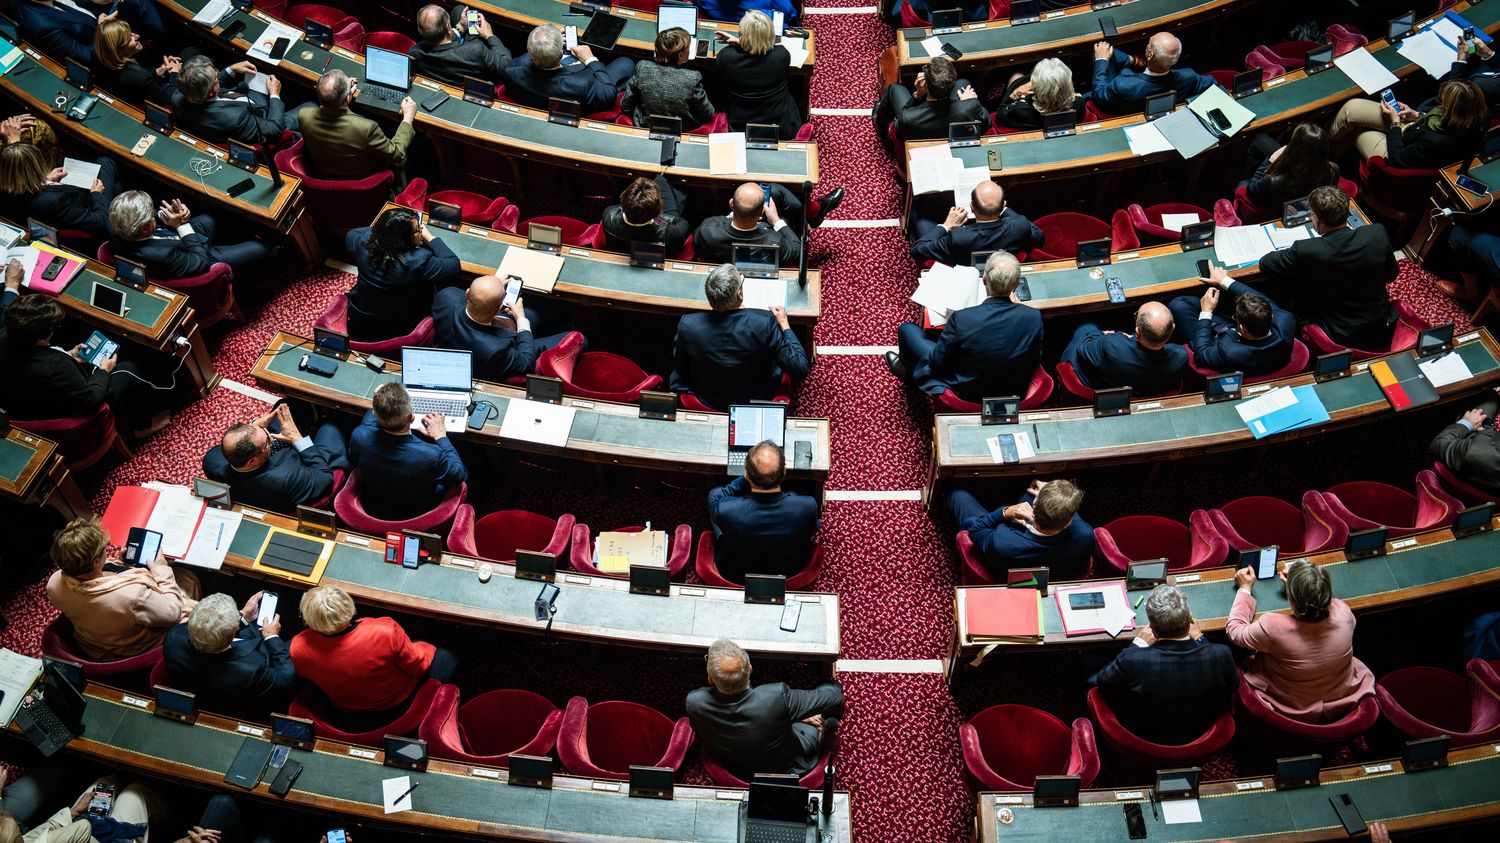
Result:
x=32 y=472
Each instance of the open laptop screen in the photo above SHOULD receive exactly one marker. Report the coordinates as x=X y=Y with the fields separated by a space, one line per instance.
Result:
x=679 y=17
x=752 y=424
x=387 y=67
x=756 y=257
x=777 y=802
x=435 y=368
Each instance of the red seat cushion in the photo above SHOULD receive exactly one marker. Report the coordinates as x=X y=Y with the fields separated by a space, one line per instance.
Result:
x=1021 y=743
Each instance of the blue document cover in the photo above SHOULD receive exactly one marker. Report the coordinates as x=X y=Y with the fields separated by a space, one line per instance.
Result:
x=1305 y=409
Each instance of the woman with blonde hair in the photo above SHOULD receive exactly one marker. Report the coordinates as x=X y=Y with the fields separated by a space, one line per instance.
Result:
x=1048 y=90
x=754 y=68
x=116 y=70
x=29 y=187
x=666 y=86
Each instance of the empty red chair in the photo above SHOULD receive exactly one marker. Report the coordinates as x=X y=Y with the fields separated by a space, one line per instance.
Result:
x=500 y=534
x=1403 y=337
x=1147 y=221
x=1007 y=746
x=1459 y=487
x=1396 y=192
x=1037 y=393
x=1268 y=65
x=311 y=704
x=1132 y=756
x=350 y=511
x=336 y=316
x=348 y=32
x=1224 y=214
x=1122 y=233
x=1139 y=538
x=1296 y=365
x=1364 y=505
x=708 y=569
x=1064 y=230
x=1068 y=377
x=474 y=208
x=1425 y=702
x=1345 y=39
x=1274 y=734
x=689 y=401
x=82 y=439
x=396 y=42
x=605 y=739
x=1092 y=113
x=574 y=232
x=1289 y=54
x=337 y=206
x=57 y=642
x=596 y=375
x=1261 y=521
x=210 y=295
x=679 y=550
x=490 y=727
x=722 y=777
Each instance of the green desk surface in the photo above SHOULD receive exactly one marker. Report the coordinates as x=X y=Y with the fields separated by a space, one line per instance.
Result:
x=977 y=42
x=1265 y=812
x=14 y=457
x=118 y=131
x=146 y=308
x=445 y=795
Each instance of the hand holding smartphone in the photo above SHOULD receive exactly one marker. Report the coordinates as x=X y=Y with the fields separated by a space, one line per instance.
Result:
x=268 y=601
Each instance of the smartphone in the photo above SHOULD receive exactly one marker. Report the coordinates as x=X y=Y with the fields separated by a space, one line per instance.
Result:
x=952 y=52
x=1388 y=97
x=479 y=415
x=765 y=190
x=1107 y=26
x=434 y=101
x=1473 y=185
x=1008 y=451
x=278 y=48
x=102 y=800
x=336 y=835
x=473 y=18
x=1115 y=289
x=1023 y=290
x=1086 y=599
x=1203 y=269
x=1220 y=121
x=791 y=611
x=232 y=31
x=411 y=552
x=141 y=547
x=995 y=164
x=279 y=756
x=512 y=292
x=1348 y=813
x=570 y=37
x=1135 y=822
x=268 y=601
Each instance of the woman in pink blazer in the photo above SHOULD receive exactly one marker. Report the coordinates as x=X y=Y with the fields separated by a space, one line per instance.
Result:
x=1304 y=665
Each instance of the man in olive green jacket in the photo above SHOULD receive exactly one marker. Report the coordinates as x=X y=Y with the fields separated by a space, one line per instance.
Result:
x=339 y=144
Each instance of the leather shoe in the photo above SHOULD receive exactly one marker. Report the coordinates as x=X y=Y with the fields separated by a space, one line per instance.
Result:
x=1454 y=291
x=893 y=362
x=826 y=204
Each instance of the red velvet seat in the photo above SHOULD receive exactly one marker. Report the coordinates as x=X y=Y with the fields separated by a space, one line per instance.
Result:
x=58 y=642
x=1122 y=234
x=722 y=777
x=396 y=42
x=77 y=241
x=1289 y=54
x=1260 y=521
x=689 y=401
x=82 y=439
x=1345 y=39
x=1007 y=746
x=1364 y=505
x=1403 y=337
x=605 y=739
x=574 y=232
x=348 y=32
x=1064 y=230
x=1486 y=673
x=490 y=727
x=499 y=535
x=350 y=511
x=473 y=208
x=1396 y=192
x=1268 y=65
x=1068 y=377
x=1132 y=757
x=336 y=316
x=1147 y=221
x=1248 y=211
x=1458 y=487
x=1273 y=734
x=311 y=704
x=338 y=483
x=640 y=5
x=708 y=569
x=1425 y=702
x=210 y=295
x=1296 y=365
x=1037 y=393
x=679 y=550
x=1138 y=538
x=1092 y=113
x=1224 y=214
x=596 y=375
x=971 y=567
x=337 y=206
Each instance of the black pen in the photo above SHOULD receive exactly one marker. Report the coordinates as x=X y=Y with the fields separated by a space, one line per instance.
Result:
x=404 y=795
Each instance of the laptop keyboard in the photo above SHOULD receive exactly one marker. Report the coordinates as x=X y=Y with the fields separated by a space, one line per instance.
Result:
x=49 y=723
x=759 y=833
x=423 y=406
x=387 y=94
x=736 y=463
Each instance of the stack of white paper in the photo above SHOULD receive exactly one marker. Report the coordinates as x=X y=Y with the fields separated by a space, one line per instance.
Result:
x=27 y=255
x=213 y=12
x=1429 y=51
x=1241 y=244
x=797 y=47
x=1262 y=405
x=944 y=289
x=175 y=517
x=17 y=674
x=79 y=173
x=1445 y=369
x=1145 y=139
x=1185 y=132
x=257 y=83
x=215 y=534
x=1366 y=71
x=726 y=153
x=934 y=169
x=1283 y=238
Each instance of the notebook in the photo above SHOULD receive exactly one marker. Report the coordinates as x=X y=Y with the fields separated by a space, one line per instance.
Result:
x=1004 y=614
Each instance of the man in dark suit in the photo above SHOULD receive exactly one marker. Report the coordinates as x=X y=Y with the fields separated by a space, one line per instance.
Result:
x=1468 y=447
x=1145 y=360
x=546 y=71
x=400 y=474
x=650 y=211
x=923 y=112
x=1041 y=530
x=220 y=107
x=753 y=220
x=231 y=664
x=995 y=227
x=766 y=729
x=758 y=528
x=448 y=53
x=502 y=344
x=1257 y=341
x=1120 y=88
x=1171 y=690
x=258 y=472
x=1337 y=279
x=988 y=350
x=734 y=354
x=14 y=274
x=182 y=246
x=339 y=144
x=1483 y=69
x=66 y=29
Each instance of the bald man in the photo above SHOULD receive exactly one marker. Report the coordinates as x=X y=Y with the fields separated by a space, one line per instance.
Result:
x=758 y=527
x=339 y=144
x=1145 y=360
x=448 y=51
x=995 y=228
x=260 y=474
x=753 y=220
x=500 y=340
x=1120 y=88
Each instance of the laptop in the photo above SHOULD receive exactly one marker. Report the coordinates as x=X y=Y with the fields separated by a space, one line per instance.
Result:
x=757 y=260
x=776 y=813
x=387 y=79
x=439 y=380
x=750 y=425
x=54 y=716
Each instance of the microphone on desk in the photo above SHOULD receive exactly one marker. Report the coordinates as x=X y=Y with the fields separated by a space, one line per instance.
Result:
x=828 y=772
x=807 y=187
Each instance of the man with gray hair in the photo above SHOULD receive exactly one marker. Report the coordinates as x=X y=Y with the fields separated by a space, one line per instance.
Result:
x=173 y=242
x=457 y=44
x=734 y=354
x=1173 y=683
x=339 y=144
x=766 y=729
x=1122 y=84
x=985 y=351
x=548 y=71
x=219 y=106
x=233 y=665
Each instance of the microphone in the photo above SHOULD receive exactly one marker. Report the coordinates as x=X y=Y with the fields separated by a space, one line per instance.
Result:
x=807 y=187
x=828 y=772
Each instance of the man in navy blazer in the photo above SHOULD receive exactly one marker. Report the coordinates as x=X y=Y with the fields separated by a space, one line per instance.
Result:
x=219 y=106
x=1172 y=689
x=985 y=351
x=546 y=72
x=1121 y=89
x=400 y=474
x=1144 y=360
x=1042 y=530
x=182 y=246
x=758 y=528
x=995 y=227
x=259 y=473
x=1257 y=341
x=473 y=319
x=231 y=664
x=734 y=354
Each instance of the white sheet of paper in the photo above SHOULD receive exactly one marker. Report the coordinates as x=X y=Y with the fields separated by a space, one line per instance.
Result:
x=392 y=788
x=1283 y=238
x=261 y=49
x=761 y=293
x=213 y=12
x=80 y=173
x=937 y=150
x=726 y=153
x=17 y=674
x=1270 y=402
x=1178 y=811
x=1115 y=615
x=1444 y=369
x=1024 y=448
x=797 y=47
x=537 y=421
x=945 y=289
x=10 y=235
x=27 y=255
x=175 y=517
x=215 y=534
x=963 y=188
x=1215 y=97
x=1175 y=222
x=1241 y=244
x=257 y=83
x=1366 y=71
x=936 y=175
x=1447 y=30
x=933 y=46
x=1430 y=51
x=1145 y=139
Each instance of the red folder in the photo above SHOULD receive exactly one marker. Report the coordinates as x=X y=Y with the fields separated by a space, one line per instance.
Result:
x=1007 y=613
x=129 y=506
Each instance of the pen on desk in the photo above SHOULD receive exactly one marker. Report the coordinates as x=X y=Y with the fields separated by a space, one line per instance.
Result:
x=330 y=61
x=398 y=799
x=219 y=538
